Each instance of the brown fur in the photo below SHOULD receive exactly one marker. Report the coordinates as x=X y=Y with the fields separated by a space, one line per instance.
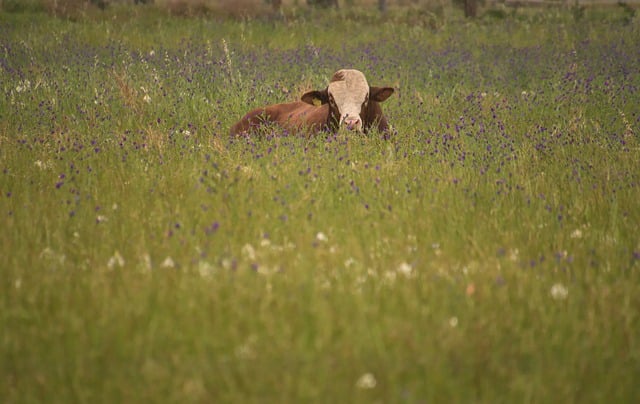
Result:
x=294 y=116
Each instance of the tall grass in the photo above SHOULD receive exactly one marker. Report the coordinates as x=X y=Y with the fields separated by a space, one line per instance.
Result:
x=487 y=252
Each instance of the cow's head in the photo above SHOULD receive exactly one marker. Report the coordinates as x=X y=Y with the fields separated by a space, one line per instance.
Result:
x=351 y=100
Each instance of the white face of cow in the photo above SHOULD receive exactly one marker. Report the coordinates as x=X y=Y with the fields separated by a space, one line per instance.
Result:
x=349 y=95
x=352 y=102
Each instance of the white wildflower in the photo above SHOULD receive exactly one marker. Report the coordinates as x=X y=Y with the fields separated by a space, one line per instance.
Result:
x=436 y=249
x=322 y=237
x=115 y=260
x=168 y=263
x=101 y=219
x=366 y=381
x=265 y=242
x=249 y=252
x=349 y=262
x=453 y=322
x=559 y=292
x=513 y=255
x=227 y=263
x=43 y=165
x=405 y=269
x=246 y=170
x=577 y=233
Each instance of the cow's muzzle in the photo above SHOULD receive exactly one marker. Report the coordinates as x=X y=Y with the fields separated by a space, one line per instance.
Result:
x=353 y=123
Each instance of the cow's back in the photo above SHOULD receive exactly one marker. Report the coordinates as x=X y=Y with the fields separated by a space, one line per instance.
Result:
x=293 y=116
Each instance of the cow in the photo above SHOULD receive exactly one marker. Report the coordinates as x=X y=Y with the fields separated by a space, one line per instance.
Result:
x=348 y=101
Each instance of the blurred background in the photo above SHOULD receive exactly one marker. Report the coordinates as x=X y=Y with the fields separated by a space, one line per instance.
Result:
x=283 y=8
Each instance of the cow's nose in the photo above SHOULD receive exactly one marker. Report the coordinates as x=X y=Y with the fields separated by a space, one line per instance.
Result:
x=353 y=123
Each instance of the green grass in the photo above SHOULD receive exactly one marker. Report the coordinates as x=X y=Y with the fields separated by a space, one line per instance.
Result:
x=488 y=252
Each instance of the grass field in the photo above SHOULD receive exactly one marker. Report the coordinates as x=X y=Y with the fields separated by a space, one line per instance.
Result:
x=489 y=252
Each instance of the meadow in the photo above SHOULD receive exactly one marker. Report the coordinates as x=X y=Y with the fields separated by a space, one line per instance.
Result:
x=487 y=251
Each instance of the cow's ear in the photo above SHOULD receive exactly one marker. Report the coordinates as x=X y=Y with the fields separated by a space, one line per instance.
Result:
x=380 y=94
x=316 y=97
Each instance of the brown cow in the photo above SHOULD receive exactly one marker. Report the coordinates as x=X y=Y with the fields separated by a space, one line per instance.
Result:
x=347 y=101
